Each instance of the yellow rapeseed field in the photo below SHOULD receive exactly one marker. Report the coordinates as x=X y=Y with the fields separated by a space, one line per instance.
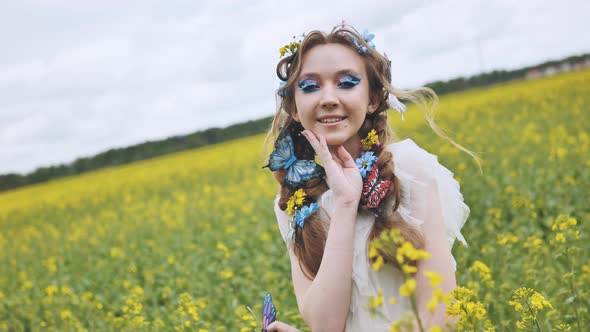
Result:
x=185 y=242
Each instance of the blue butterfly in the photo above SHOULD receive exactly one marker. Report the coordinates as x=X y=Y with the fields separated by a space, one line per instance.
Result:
x=305 y=212
x=298 y=171
x=269 y=312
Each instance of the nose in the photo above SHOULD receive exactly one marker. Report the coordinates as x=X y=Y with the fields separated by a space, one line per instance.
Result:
x=329 y=99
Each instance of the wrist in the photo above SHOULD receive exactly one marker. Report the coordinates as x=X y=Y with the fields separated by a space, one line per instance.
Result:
x=346 y=204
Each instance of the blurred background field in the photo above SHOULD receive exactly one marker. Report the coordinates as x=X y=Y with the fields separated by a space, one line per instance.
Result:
x=187 y=241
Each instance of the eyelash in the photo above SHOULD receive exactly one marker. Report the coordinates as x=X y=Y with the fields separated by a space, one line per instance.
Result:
x=308 y=86
x=347 y=82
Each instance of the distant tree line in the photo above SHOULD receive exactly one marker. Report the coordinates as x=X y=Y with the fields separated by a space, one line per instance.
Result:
x=119 y=156
x=499 y=76
x=114 y=157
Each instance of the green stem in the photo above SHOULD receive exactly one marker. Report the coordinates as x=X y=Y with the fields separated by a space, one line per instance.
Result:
x=572 y=288
x=415 y=310
x=534 y=316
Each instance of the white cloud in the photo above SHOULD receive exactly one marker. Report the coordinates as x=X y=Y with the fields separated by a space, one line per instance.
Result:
x=77 y=78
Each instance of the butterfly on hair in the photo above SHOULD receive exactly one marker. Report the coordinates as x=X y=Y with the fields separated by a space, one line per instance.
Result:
x=374 y=190
x=283 y=157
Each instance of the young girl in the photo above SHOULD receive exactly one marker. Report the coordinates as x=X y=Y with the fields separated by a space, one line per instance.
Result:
x=334 y=96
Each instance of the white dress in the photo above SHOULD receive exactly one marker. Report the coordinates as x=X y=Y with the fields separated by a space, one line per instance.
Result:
x=417 y=171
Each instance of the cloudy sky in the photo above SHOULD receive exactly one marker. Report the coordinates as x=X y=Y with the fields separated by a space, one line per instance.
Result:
x=80 y=77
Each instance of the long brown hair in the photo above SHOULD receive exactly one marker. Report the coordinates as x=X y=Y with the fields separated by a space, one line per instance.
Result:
x=310 y=240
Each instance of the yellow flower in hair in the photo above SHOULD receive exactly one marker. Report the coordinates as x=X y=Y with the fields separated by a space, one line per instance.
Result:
x=299 y=197
x=371 y=139
x=289 y=49
x=296 y=201
x=291 y=207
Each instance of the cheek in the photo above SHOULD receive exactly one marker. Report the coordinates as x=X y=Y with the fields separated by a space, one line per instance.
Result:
x=302 y=107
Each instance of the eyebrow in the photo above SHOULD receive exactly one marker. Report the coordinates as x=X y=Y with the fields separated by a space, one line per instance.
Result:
x=340 y=72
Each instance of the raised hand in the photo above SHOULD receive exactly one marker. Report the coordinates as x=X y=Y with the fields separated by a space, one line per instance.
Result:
x=342 y=174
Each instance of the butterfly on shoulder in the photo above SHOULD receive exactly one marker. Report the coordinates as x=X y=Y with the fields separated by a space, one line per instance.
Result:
x=269 y=312
x=298 y=171
x=374 y=190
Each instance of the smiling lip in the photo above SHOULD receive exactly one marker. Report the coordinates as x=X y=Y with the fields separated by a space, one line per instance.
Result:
x=332 y=120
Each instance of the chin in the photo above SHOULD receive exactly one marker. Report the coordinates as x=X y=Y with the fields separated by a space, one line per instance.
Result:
x=335 y=140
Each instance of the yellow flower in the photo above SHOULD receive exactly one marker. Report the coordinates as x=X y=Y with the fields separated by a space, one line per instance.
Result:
x=435 y=329
x=299 y=197
x=484 y=272
x=289 y=49
x=408 y=288
x=434 y=278
x=226 y=274
x=116 y=252
x=408 y=251
x=376 y=301
x=373 y=251
x=523 y=292
x=572 y=221
x=559 y=237
x=476 y=310
x=65 y=314
x=462 y=293
x=230 y=229
x=378 y=263
x=517 y=305
x=437 y=297
x=224 y=249
x=409 y=269
x=507 y=238
x=371 y=139
x=533 y=242
x=539 y=302
x=296 y=201
x=291 y=207
x=432 y=303
x=50 y=290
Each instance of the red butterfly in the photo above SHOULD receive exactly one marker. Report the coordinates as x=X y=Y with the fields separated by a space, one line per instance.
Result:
x=373 y=189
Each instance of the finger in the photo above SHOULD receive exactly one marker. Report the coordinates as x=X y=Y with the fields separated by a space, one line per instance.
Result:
x=345 y=157
x=336 y=158
x=319 y=146
x=325 y=150
x=277 y=326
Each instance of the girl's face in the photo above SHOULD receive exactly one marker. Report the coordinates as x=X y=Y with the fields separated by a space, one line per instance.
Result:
x=332 y=95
